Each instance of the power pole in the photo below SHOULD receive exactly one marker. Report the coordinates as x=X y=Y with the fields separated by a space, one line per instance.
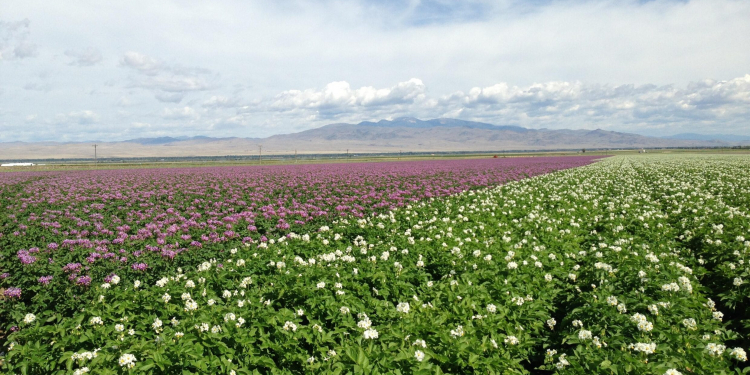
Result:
x=399 y=154
x=347 y=154
x=295 y=156
x=260 y=154
x=95 y=159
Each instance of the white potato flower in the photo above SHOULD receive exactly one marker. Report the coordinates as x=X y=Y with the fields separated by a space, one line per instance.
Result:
x=584 y=335
x=127 y=360
x=370 y=334
x=29 y=318
x=403 y=307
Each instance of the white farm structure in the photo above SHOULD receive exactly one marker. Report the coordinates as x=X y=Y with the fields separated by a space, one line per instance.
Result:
x=17 y=165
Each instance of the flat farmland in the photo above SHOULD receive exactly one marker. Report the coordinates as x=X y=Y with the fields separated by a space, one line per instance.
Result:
x=544 y=265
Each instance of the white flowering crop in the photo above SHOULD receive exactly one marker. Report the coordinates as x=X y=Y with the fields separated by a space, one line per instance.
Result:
x=497 y=276
x=584 y=335
x=289 y=326
x=127 y=360
x=403 y=307
x=370 y=334
x=738 y=354
x=29 y=318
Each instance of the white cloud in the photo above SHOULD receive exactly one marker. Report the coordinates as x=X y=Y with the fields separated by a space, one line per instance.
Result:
x=340 y=96
x=177 y=83
x=166 y=97
x=14 y=40
x=142 y=63
x=85 y=117
x=278 y=67
x=180 y=113
x=169 y=84
x=85 y=57
x=124 y=101
x=38 y=86
x=556 y=104
x=219 y=101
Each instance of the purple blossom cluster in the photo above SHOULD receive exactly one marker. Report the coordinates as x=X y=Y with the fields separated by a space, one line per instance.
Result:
x=12 y=292
x=83 y=280
x=126 y=218
x=139 y=266
x=25 y=256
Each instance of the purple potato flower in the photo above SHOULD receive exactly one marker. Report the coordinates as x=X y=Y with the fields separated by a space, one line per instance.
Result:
x=83 y=280
x=12 y=292
x=139 y=266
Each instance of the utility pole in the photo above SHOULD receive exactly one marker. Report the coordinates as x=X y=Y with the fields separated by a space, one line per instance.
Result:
x=347 y=154
x=95 y=160
x=260 y=154
x=399 y=154
x=295 y=156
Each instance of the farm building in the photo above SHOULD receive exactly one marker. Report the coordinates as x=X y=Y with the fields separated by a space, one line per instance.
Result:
x=17 y=165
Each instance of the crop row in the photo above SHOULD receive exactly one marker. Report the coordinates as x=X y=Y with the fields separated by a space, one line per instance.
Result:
x=61 y=232
x=630 y=265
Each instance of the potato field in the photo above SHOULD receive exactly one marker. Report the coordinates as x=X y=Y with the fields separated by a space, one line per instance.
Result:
x=566 y=265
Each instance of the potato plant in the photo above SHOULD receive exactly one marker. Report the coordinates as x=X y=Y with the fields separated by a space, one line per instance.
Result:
x=625 y=266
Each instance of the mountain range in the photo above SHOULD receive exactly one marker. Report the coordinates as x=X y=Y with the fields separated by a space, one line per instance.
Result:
x=729 y=138
x=403 y=134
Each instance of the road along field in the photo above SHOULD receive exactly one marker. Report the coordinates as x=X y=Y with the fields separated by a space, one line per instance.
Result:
x=629 y=265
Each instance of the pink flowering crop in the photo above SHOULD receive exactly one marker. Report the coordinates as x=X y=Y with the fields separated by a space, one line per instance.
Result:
x=12 y=292
x=90 y=224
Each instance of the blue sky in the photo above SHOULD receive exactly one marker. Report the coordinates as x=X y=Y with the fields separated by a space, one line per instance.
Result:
x=84 y=70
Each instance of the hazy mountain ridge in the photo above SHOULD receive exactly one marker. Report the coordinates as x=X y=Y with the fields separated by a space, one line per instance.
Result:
x=710 y=137
x=398 y=135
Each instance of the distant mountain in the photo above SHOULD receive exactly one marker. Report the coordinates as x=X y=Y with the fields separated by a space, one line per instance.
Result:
x=710 y=137
x=404 y=134
x=155 y=141
x=167 y=140
x=408 y=133
x=410 y=122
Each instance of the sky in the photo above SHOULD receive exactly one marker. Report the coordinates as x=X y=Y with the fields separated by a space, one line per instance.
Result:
x=111 y=71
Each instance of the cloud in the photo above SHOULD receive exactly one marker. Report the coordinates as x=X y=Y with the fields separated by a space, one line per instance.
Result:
x=169 y=84
x=576 y=104
x=340 y=97
x=142 y=63
x=177 y=83
x=86 y=57
x=278 y=67
x=179 y=113
x=166 y=97
x=231 y=123
x=35 y=86
x=430 y=12
x=554 y=104
x=85 y=117
x=218 y=101
x=14 y=43
x=124 y=101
